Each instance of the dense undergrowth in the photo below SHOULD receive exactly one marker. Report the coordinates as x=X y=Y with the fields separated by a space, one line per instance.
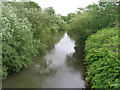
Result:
x=102 y=59
x=25 y=33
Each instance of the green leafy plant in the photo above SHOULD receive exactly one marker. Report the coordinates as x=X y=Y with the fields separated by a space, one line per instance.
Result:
x=102 y=59
x=18 y=44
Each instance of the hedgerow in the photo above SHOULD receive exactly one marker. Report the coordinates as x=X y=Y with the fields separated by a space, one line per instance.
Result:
x=102 y=58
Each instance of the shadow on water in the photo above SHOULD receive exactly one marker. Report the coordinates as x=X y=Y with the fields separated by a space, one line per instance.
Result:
x=76 y=61
x=61 y=67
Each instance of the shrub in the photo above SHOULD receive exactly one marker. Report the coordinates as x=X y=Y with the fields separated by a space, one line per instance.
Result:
x=102 y=59
x=18 y=44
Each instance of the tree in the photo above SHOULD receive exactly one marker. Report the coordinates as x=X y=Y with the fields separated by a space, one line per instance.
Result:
x=49 y=11
x=18 y=44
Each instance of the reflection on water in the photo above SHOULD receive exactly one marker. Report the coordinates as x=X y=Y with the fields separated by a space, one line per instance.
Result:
x=61 y=50
x=59 y=68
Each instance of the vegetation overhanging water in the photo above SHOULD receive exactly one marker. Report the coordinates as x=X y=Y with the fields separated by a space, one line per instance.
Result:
x=27 y=31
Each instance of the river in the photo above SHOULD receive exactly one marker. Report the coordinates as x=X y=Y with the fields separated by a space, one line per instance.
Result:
x=63 y=69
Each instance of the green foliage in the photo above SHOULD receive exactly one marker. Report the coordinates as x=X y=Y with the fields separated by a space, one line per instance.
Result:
x=102 y=59
x=91 y=19
x=25 y=30
x=18 y=45
x=49 y=11
x=4 y=72
x=44 y=22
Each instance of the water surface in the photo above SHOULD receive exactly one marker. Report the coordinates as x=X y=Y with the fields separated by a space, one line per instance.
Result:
x=59 y=68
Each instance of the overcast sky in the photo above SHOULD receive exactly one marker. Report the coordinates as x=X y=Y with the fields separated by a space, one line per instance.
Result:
x=64 y=7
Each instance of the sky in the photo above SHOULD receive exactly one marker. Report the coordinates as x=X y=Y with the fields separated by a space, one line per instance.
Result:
x=64 y=7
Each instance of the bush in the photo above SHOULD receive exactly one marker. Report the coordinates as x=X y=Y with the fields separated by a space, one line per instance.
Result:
x=102 y=59
x=18 y=44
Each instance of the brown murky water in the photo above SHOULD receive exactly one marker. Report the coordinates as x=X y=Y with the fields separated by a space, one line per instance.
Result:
x=59 y=68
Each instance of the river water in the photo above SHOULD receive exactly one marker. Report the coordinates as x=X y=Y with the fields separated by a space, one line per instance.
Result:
x=59 y=68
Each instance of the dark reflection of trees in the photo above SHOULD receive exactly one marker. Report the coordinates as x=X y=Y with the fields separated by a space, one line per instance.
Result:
x=79 y=53
x=52 y=39
x=76 y=60
x=42 y=67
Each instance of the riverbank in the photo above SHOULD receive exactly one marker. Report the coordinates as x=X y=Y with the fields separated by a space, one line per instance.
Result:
x=64 y=71
x=25 y=34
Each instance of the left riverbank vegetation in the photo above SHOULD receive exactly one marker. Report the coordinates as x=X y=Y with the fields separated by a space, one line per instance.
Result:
x=25 y=33
x=95 y=28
